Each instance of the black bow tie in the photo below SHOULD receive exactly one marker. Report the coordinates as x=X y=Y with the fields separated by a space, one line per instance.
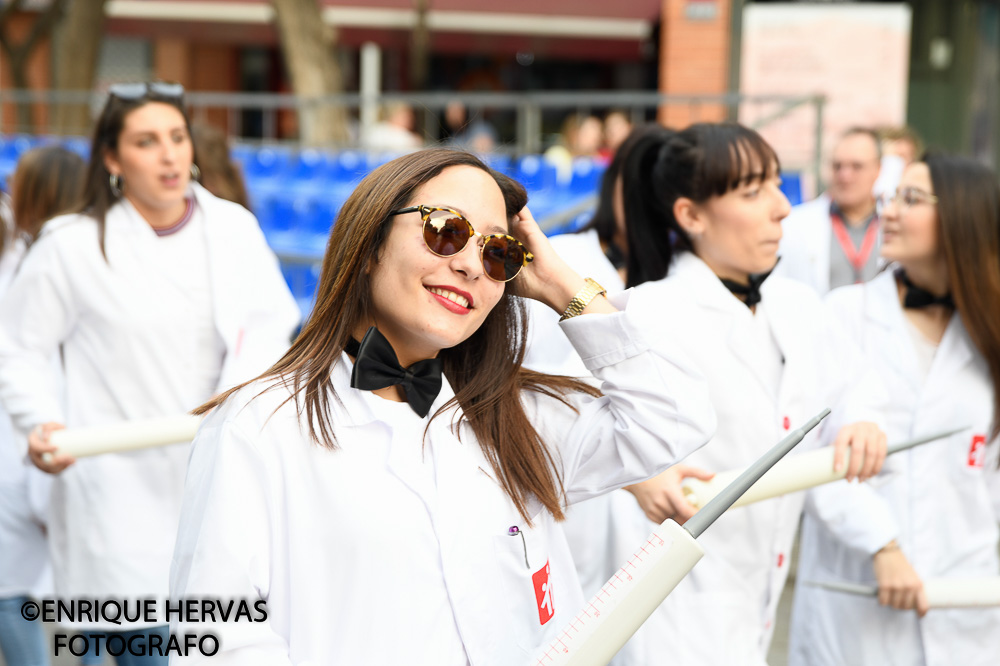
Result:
x=376 y=367
x=750 y=291
x=918 y=297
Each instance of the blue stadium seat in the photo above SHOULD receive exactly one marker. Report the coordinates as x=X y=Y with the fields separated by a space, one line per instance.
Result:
x=347 y=166
x=587 y=174
x=266 y=164
x=535 y=173
x=11 y=148
x=79 y=145
x=791 y=185
x=302 y=280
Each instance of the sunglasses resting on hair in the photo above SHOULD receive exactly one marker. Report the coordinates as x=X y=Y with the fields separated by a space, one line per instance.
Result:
x=446 y=233
x=130 y=91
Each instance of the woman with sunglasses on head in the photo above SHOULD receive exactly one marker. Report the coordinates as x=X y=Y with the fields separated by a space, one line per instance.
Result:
x=155 y=295
x=929 y=325
x=391 y=488
x=703 y=213
x=47 y=182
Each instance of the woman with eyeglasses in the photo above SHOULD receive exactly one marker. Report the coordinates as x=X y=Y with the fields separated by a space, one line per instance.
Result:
x=703 y=209
x=392 y=487
x=155 y=296
x=929 y=326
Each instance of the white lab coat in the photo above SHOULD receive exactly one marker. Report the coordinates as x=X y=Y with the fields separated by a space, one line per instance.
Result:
x=587 y=523
x=723 y=612
x=380 y=551
x=114 y=516
x=805 y=244
x=547 y=349
x=24 y=556
x=942 y=503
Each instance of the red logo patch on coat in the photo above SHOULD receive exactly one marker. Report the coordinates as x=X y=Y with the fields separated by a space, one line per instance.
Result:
x=977 y=451
x=543 y=594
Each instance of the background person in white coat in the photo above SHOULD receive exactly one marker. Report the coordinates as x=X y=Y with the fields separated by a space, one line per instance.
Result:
x=157 y=295
x=47 y=181
x=833 y=240
x=931 y=330
x=711 y=194
x=424 y=532
x=601 y=250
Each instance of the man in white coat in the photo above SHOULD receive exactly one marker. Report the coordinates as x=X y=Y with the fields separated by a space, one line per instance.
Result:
x=833 y=240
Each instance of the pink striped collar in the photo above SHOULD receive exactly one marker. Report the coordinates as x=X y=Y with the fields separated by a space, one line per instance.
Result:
x=181 y=223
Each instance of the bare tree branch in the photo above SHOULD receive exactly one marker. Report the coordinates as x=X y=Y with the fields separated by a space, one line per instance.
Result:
x=9 y=9
x=20 y=54
x=43 y=26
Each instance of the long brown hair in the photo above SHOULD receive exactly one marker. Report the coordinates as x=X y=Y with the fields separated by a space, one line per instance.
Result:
x=48 y=181
x=219 y=174
x=484 y=370
x=98 y=196
x=969 y=222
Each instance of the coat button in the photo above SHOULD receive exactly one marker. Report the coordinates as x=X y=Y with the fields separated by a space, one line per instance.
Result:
x=781 y=559
x=787 y=422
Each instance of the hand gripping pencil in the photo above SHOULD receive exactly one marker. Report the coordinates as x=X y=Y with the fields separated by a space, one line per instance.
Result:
x=608 y=620
x=126 y=436
x=798 y=472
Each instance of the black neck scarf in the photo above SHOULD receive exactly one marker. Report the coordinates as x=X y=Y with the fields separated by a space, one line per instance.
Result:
x=376 y=367
x=918 y=297
x=751 y=291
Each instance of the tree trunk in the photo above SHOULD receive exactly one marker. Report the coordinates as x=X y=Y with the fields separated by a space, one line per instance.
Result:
x=78 y=45
x=420 y=40
x=20 y=54
x=420 y=48
x=307 y=46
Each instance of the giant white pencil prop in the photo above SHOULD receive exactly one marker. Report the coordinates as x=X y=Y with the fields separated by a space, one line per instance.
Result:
x=127 y=436
x=791 y=474
x=608 y=620
x=941 y=592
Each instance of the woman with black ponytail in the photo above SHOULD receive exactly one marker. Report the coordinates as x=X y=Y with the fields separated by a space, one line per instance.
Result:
x=703 y=213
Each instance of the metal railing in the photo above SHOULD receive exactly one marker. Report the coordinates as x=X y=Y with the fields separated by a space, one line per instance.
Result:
x=529 y=109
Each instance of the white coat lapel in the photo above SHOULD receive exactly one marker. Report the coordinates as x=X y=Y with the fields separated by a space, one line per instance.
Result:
x=789 y=333
x=223 y=276
x=882 y=309
x=128 y=238
x=467 y=521
x=953 y=354
x=824 y=231
x=413 y=458
x=731 y=315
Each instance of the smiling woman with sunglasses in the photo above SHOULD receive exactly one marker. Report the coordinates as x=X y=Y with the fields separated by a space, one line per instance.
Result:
x=930 y=326
x=392 y=487
x=152 y=297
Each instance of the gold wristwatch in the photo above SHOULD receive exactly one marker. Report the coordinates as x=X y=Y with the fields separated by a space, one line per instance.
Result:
x=590 y=291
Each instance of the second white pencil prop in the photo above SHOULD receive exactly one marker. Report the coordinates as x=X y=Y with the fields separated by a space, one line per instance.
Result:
x=608 y=620
x=794 y=473
x=941 y=592
x=126 y=436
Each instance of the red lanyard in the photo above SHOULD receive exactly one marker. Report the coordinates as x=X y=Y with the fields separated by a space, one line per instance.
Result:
x=857 y=258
